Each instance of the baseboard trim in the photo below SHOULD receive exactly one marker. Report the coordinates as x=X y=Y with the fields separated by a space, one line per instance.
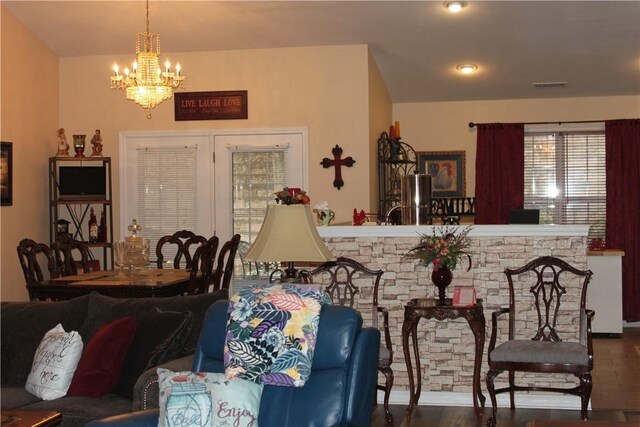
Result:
x=523 y=400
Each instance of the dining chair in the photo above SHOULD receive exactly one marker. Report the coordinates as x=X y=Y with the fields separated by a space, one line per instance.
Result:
x=30 y=256
x=64 y=248
x=343 y=278
x=201 y=274
x=556 y=299
x=183 y=240
x=225 y=264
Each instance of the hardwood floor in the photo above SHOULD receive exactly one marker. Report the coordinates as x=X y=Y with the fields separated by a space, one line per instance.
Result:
x=615 y=396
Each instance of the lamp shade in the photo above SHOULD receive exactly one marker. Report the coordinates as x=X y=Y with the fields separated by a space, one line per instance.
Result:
x=288 y=233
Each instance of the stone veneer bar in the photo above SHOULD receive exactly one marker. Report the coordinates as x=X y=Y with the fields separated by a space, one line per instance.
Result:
x=447 y=347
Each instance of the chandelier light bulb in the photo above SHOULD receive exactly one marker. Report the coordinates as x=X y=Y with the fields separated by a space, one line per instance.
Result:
x=455 y=6
x=116 y=69
x=167 y=65
x=467 y=68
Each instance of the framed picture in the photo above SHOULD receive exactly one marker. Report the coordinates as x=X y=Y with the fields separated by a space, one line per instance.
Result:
x=6 y=174
x=447 y=172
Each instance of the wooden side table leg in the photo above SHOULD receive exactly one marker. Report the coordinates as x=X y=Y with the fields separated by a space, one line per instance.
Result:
x=477 y=324
x=409 y=327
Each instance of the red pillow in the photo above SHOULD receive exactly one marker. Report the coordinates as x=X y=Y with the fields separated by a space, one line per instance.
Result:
x=99 y=368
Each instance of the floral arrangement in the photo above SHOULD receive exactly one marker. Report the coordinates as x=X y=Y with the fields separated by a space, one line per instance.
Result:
x=292 y=196
x=443 y=248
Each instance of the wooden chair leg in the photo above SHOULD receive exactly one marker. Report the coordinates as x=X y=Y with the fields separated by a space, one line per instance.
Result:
x=585 y=394
x=388 y=384
x=491 y=375
x=511 y=392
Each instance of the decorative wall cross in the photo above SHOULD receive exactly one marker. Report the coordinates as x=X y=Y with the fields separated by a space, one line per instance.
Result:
x=338 y=162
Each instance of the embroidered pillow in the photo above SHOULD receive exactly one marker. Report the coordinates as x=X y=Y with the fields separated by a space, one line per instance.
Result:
x=202 y=399
x=271 y=333
x=101 y=362
x=54 y=364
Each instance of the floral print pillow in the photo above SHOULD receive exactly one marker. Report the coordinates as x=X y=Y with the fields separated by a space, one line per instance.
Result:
x=271 y=333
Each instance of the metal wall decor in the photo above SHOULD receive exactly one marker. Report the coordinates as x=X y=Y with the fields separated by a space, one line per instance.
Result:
x=338 y=162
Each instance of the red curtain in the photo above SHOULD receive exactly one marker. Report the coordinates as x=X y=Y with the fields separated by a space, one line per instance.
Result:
x=499 y=172
x=623 y=207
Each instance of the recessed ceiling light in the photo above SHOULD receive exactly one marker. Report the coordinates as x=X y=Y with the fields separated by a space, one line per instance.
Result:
x=455 y=6
x=467 y=68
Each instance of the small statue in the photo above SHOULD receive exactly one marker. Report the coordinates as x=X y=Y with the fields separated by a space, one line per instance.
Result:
x=63 y=146
x=96 y=144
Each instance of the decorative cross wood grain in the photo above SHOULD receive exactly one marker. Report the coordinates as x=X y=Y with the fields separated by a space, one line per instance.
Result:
x=338 y=162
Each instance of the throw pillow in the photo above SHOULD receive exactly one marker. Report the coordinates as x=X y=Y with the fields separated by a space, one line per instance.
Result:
x=23 y=324
x=207 y=399
x=54 y=363
x=155 y=336
x=101 y=362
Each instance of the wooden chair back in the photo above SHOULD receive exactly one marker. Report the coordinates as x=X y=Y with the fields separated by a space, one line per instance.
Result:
x=226 y=263
x=35 y=259
x=186 y=243
x=201 y=275
x=69 y=265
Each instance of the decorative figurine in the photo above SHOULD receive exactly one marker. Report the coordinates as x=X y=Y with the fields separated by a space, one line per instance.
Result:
x=63 y=146
x=93 y=227
x=359 y=218
x=96 y=144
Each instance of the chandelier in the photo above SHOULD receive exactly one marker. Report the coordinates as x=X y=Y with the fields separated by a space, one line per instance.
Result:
x=147 y=85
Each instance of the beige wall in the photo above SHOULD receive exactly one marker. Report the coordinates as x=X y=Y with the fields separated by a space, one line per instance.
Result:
x=322 y=88
x=337 y=92
x=379 y=119
x=29 y=119
x=443 y=126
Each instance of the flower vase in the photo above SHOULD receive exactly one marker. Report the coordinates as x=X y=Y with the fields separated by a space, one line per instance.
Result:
x=441 y=277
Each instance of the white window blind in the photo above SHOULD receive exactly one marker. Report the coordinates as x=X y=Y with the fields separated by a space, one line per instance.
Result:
x=255 y=177
x=167 y=192
x=565 y=178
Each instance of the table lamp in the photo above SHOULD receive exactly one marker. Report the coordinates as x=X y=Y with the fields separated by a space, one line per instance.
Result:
x=289 y=234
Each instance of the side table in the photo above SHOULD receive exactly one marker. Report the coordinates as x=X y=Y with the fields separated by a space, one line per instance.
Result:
x=427 y=308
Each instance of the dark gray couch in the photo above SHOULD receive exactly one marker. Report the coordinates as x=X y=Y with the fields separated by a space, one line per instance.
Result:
x=168 y=329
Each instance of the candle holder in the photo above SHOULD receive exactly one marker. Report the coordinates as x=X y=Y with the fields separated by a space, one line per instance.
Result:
x=78 y=145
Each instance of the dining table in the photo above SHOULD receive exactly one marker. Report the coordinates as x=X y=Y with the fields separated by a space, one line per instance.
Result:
x=143 y=283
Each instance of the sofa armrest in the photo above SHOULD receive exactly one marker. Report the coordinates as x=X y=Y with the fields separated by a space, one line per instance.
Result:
x=145 y=392
x=148 y=418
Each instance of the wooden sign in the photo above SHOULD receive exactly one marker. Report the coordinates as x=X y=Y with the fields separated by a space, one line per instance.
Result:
x=228 y=105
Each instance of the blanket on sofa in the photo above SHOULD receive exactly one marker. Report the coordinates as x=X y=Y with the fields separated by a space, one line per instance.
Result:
x=271 y=333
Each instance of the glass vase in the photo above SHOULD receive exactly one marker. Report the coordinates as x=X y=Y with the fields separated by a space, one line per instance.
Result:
x=442 y=277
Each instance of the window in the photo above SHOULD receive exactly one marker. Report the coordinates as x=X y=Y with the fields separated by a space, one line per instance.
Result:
x=564 y=177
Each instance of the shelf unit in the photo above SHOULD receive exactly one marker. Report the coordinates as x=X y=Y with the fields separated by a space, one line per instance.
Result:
x=395 y=160
x=76 y=211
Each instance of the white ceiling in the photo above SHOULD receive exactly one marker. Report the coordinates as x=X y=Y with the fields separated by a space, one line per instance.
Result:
x=592 y=45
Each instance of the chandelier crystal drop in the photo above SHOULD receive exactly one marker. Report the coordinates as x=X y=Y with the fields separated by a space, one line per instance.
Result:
x=147 y=85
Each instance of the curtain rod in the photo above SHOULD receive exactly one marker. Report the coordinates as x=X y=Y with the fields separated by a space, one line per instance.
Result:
x=472 y=124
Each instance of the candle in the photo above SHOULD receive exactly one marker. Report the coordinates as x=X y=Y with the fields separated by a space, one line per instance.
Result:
x=177 y=69
x=397 y=129
x=392 y=133
x=115 y=69
x=167 y=65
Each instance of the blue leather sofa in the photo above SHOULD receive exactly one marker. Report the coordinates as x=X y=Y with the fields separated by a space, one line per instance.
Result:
x=339 y=392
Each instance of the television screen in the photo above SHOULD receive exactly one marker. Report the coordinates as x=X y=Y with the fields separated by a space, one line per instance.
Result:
x=82 y=182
